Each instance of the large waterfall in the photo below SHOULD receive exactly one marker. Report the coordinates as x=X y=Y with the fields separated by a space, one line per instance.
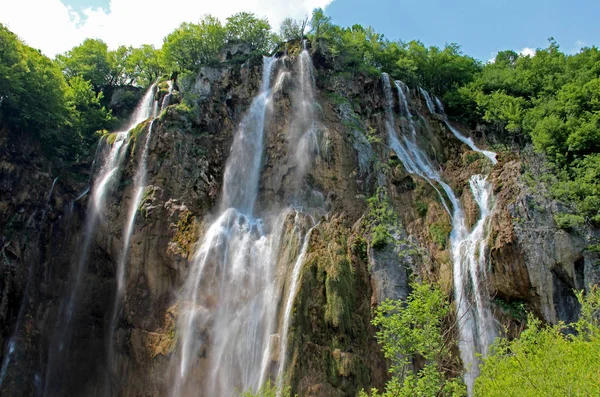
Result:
x=476 y=325
x=102 y=186
x=232 y=324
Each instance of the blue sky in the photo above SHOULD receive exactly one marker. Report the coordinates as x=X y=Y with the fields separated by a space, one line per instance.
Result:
x=481 y=27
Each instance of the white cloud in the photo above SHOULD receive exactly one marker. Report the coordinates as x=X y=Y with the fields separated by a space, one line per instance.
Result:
x=527 y=52
x=54 y=27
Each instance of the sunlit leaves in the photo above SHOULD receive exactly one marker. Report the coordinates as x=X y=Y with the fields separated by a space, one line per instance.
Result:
x=545 y=360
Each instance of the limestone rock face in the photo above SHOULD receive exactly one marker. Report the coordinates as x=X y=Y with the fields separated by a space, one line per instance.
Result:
x=332 y=350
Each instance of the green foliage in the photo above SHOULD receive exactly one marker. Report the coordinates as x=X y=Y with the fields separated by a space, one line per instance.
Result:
x=422 y=208
x=545 y=360
x=568 y=221
x=194 y=44
x=89 y=116
x=439 y=232
x=34 y=96
x=247 y=28
x=515 y=309
x=91 y=61
x=412 y=329
x=145 y=64
x=292 y=29
x=359 y=248
x=382 y=218
x=320 y=25
x=553 y=99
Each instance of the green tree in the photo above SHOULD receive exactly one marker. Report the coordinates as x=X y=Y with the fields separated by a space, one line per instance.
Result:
x=90 y=60
x=546 y=361
x=247 y=28
x=192 y=45
x=412 y=337
x=292 y=29
x=88 y=115
x=32 y=89
x=145 y=64
x=320 y=25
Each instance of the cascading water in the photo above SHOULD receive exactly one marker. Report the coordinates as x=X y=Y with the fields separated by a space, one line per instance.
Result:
x=476 y=325
x=229 y=293
x=428 y=100
x=231 y=298
x=306 y=128
x=139 y=184
x=102 y=186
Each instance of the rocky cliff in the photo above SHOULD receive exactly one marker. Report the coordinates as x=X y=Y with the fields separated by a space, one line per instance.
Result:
x=379 y=227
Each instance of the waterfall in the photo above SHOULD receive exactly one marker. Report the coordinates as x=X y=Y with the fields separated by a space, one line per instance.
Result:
x=428 y=101
x=240 y=184
x=230 y=292
x=230 y=302
x=476 y=325
x=101 y=188
x=139 y=185
x=293 y=290
x=167 y=98
x=438 y=108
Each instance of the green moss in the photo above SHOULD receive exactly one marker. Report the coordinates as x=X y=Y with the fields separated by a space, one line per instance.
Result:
x=439 y=232
x=340 y=294
x=337 y=99
x=471 y=157
x=594 y=248
x=110 y=139
x=422 y=208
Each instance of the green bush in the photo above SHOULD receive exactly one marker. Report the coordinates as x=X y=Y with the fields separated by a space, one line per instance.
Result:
x=546 y=361
x=411 y=329
x=568 y=221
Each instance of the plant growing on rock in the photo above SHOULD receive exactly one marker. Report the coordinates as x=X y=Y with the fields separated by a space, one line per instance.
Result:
x=412 y=337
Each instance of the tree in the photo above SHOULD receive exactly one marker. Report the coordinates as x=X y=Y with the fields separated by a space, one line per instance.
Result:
x=320 y=25
x=145 y=64
x=546 y=360
x=89 y=116
x=247 y=28
x=89 y=60
x=32 y=89
x=192 y=45
x=292 y=29
x=413 y=330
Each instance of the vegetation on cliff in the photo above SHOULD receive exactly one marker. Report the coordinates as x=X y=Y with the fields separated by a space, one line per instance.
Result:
x=413 y=337
x=547 y=360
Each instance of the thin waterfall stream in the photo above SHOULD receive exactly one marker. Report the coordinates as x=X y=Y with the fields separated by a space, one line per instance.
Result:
x=476 y=325
x=150 y=109
x=101 y=188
